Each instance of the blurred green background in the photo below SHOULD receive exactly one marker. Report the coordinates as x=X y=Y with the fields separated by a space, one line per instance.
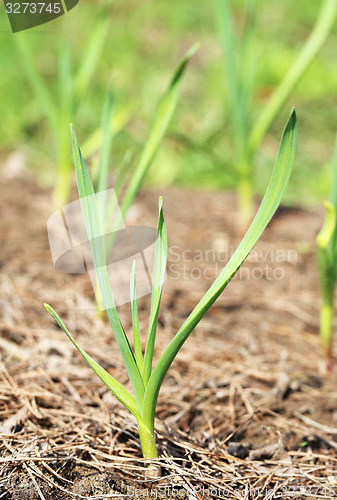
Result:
x=144 y=42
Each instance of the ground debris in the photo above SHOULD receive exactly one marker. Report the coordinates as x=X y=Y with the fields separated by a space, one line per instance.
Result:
x=240 y=385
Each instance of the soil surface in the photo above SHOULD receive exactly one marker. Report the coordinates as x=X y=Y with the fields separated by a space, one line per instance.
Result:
x=246 y=410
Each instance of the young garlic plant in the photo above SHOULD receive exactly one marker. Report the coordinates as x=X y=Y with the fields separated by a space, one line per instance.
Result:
x=241 y=62
x=146 y=380
x=73 y=83
x=127 y=187
x=327 y=266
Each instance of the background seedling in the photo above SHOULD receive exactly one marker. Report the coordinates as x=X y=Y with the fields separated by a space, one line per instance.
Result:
x=327 y=266
x=73 y=83
x=162 y=118
x=241 y=61
x=139 y=73
x=126 y=191
x=146 y=380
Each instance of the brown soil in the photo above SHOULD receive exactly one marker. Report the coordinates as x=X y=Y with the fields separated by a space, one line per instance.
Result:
x=245 y=411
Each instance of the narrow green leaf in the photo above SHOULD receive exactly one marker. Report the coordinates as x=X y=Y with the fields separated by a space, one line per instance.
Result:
x=230 y=47
x=135 y=320
x=324 y=236
x=327 y=263
x=115 y=387
x=111 y=207
x=325 y=254
x=333 y=193
x=107 y=134
x=65 y=76
x=119 y=119
x=231 y=52
x=91 y=55
x=333 y=200
x=122 y=173
x=249 y=59
x=325 y=21
x=270 y=203
x=93 y=226
x=161 y=122
x=159 y=270
x=65 y=113
x=38 y=84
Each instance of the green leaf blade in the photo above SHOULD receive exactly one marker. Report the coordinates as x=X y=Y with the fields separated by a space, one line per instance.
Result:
x=324 y=22
x=135 y=319
x=325 y=254
x=93 y=227
x=161 y=122
x=327 y=231
x=115 y=387
x=270 y=203
x=159 y=270
x=107 y=135
x=91 y=55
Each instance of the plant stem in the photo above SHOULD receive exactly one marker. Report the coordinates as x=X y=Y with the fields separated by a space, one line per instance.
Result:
x=149 y=449
x=326 y=329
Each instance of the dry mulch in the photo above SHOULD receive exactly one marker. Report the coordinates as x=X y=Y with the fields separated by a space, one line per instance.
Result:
x=245 y=411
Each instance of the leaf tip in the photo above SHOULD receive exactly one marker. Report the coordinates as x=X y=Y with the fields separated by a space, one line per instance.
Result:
x=49 y=309
x=194 y=49
x=291 y=127
x=329 y=225
x=293 y=114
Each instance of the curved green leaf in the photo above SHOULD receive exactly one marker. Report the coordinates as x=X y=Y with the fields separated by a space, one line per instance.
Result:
x=91 y=54
x=270 y=203
x=161 y=122
x=325 y=254
x=107 y=134
x=325 y=21
x=159 y=270
x=93 y=227
x=324 y=236
x=115 y=387
x=135 y=320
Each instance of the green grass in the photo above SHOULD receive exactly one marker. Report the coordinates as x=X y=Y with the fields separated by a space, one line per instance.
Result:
x=143 y=43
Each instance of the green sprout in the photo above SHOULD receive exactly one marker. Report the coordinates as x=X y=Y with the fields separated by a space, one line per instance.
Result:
x=73 y=84
x=240 y=61
x=161 y=120
x=145 y=379
x=327 y=266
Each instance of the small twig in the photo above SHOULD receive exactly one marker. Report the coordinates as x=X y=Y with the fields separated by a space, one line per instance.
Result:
x=313 y=423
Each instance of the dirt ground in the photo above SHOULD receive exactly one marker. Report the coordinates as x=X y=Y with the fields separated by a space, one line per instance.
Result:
x=246 y=410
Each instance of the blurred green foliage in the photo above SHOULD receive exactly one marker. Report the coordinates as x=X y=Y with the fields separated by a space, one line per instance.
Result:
x=144 y=41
